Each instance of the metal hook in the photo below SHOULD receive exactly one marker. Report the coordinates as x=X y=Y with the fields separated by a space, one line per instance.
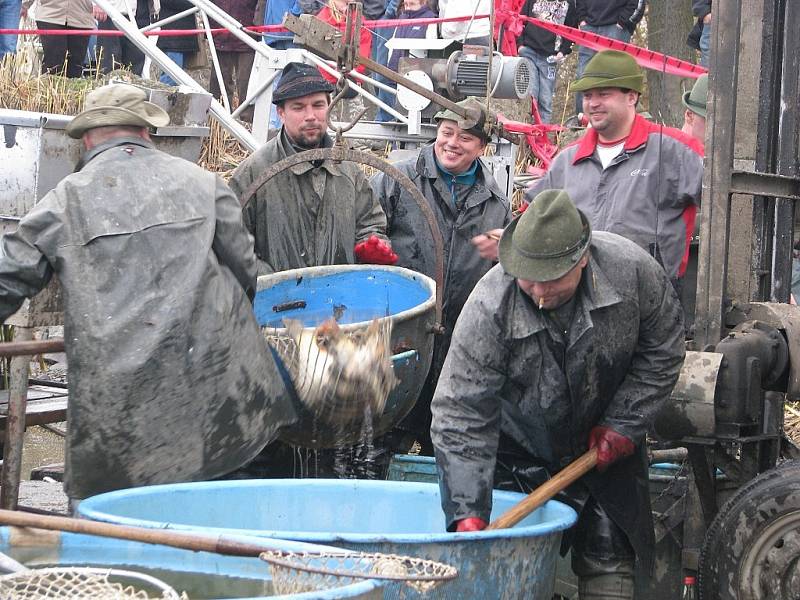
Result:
x=339 y=129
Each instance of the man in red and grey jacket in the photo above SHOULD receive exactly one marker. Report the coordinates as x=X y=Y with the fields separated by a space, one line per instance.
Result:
x=630 y=176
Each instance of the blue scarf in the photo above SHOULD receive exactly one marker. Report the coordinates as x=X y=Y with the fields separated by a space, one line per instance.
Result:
x=466 y=178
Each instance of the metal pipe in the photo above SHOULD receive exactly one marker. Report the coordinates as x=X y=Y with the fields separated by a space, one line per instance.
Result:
x=250 y=99
x=218 y=111
x=160 y=23
x=15 y=423
x=212 y=48
x=358 y=89
x=21 y=347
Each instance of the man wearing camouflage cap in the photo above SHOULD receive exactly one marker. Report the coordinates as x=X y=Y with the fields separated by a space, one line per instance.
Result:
x=572 y=342
x=169 y=376
x=694 y=118
x=470 y=211
x=628 y=175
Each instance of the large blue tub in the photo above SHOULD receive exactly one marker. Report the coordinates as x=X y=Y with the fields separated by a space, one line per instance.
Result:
x=200 y=574
x=382 y=516
x=355 y=295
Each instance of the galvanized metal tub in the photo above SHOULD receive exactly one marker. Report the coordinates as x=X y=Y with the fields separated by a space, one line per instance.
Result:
x=383 y=516
x=200 y=574
x=355 y=295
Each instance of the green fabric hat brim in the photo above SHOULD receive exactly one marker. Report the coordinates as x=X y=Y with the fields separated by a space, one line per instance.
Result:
x=539 y=269
x=591 y=82
x=695 y=108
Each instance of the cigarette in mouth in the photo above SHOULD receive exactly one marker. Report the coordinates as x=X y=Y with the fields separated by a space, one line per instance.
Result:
x=541 y=303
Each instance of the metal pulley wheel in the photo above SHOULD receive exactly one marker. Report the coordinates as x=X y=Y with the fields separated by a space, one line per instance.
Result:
x=341 y=154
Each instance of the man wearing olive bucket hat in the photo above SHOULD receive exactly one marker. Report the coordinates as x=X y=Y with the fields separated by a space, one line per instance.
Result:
x=572 y=342
x=628 y=175
x=169 y=376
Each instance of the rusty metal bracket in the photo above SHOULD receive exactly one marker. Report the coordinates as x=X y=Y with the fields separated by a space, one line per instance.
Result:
x=326 y=40
x=340 y=154
x=784 y=317
x=765 y=184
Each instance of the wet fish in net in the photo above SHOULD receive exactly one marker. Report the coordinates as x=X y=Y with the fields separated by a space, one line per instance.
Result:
x=340 y=376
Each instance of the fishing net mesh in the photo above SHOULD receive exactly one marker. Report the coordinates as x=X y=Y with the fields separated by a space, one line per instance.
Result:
x=297 y=572
x=84 y=582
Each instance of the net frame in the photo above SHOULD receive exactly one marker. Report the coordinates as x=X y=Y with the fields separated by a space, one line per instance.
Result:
x=81 y=582
x=296 y=572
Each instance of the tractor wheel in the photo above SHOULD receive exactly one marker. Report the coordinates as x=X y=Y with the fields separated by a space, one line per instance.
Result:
x=752 y=549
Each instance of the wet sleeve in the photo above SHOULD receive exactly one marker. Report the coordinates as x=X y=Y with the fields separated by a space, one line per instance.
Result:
x=233 y=245
x=383 y=189
x=241 y=179
x=690 y=180
x=657 y=359
x=466 y=411
x=370 y=218
x=24 y=267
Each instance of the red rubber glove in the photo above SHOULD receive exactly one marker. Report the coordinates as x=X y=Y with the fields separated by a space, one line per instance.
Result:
x=611 y=446
x=471 y=524
x=375 y=251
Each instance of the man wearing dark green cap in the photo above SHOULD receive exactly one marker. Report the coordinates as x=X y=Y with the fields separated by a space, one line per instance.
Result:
x=628 y=175
x=695 y=100
x=572 y=342
x=470 y=210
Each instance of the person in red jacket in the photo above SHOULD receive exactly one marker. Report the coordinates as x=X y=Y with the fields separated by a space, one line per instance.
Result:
x=334 y=14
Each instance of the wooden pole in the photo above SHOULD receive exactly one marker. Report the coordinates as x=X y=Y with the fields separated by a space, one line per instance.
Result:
x=569 y=474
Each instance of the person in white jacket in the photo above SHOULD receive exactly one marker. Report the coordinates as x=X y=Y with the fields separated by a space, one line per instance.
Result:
x=475 y=31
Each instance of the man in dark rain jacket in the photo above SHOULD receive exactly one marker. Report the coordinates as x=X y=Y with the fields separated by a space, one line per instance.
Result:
x=470 y=211
x=315 y=213
x=169 y=377
x=572 y=342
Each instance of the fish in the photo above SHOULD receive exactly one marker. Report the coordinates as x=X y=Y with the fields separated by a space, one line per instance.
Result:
x=341 y=376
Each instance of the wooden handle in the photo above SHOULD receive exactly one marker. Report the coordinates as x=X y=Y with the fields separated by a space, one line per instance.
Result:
x=186 y=541
x=547 y=490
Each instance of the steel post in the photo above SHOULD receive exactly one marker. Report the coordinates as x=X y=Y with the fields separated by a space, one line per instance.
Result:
x=715 y=222
x=787 y=159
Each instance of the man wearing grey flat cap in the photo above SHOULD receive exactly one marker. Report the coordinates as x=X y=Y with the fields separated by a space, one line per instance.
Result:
x=169 y=377
x=572 y=342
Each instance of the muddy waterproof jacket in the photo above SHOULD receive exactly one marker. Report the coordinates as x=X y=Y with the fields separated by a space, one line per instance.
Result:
x=309 y=215
x=648 y=194
x=169 y=377
x=478 y=208
x=509 y=369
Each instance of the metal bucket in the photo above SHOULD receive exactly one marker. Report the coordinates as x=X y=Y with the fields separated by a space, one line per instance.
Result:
x=200 y=574
x=382 y=516
x=355 y=295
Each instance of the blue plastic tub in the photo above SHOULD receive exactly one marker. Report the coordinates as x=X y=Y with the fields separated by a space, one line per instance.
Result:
x=200 y=574
x=376 y=516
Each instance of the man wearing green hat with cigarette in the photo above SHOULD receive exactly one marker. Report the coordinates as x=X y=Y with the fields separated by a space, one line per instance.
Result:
x=628 y=175
x=470 y=211
x=572 y=342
